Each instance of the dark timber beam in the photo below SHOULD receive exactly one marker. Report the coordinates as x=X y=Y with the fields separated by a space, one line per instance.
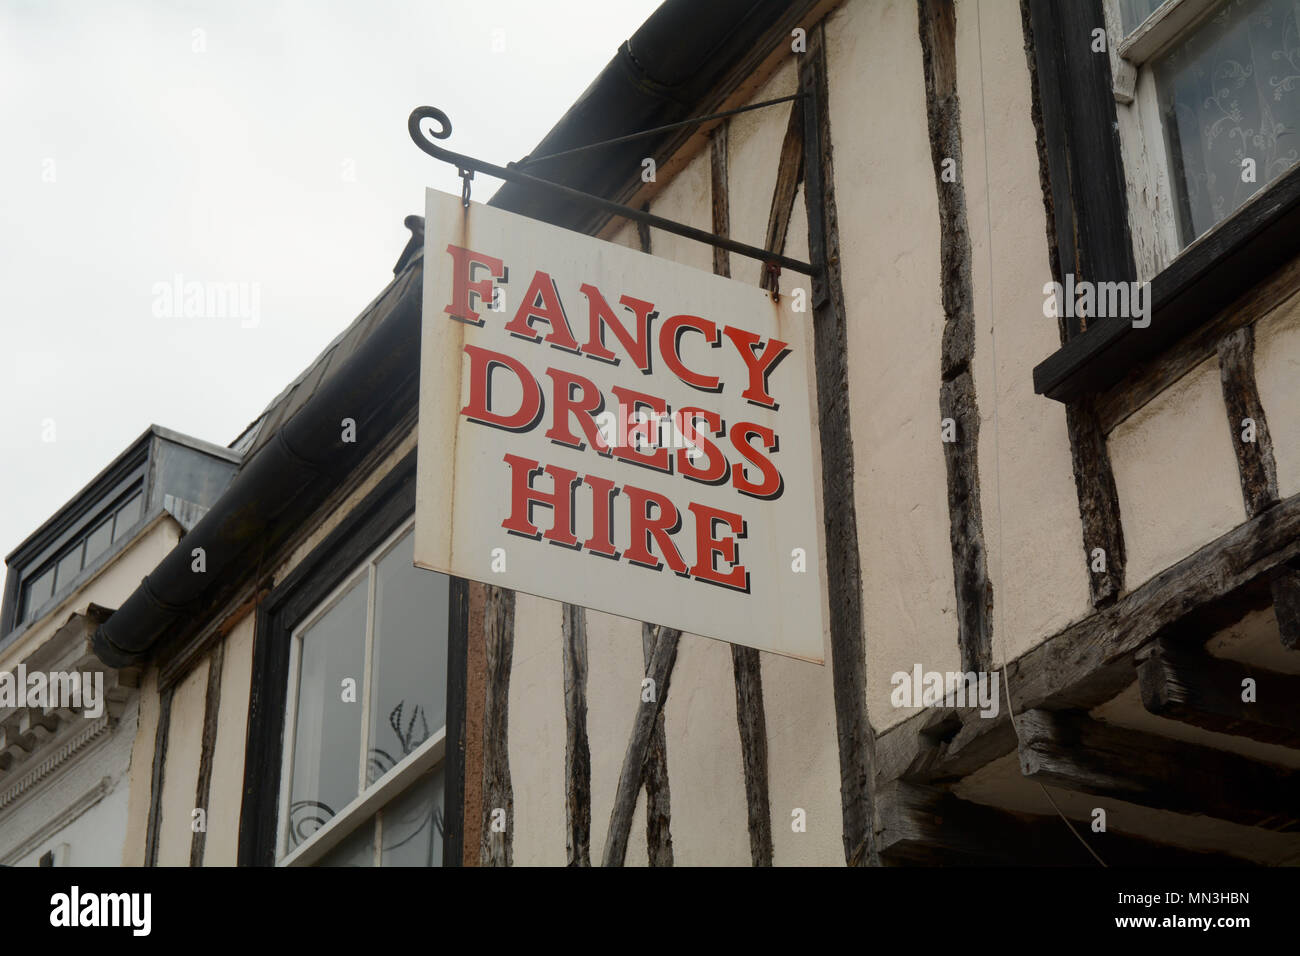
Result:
x=207 y=748
x=1256 y=463
x=937 y=21
x=857 y=742
x=1092 y=660
x=1084 y=237
x=926 y=826
x=577 y=753
x=498 y=796
x=1067 y=749
x=789 y=174
x=750 y=718
x=658 y=796
x=1188 y=685
x=638 y=746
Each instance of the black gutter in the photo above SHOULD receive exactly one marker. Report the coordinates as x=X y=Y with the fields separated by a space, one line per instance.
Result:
x=280 y=487
x=658 y=76
x=672 y=61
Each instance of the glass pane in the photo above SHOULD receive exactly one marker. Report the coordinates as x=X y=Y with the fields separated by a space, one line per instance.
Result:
x=37 y=593
x=1133 y=12
x=409 y=663
x=99 y=540
x=357 y=848
x=1230 y=98
x=327 y=730
x=127 y=516
x=412 y=824
x=69 y=568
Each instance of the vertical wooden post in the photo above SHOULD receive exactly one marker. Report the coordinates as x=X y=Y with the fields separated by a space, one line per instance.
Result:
x=857 y=744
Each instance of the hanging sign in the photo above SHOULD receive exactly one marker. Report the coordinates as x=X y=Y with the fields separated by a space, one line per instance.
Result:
x=613 y=430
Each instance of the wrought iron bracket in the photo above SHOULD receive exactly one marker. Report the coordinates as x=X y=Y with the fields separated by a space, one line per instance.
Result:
x=468 y=165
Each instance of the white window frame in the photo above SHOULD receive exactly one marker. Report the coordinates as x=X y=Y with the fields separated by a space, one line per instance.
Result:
x=370 y=799
x=1153 y=222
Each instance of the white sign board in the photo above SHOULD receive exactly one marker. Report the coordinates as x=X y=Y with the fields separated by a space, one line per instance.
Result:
x=613 y=430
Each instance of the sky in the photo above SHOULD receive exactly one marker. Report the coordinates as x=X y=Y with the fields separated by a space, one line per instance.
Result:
x=147 y=144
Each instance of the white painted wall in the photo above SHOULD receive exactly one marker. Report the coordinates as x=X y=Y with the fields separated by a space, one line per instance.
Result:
x=1176 y=474
x=1277 y=374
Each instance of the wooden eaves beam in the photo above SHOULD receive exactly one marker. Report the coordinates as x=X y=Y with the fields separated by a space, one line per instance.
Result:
x=1091 y=661
x=1188 y=685
x=1067 y=749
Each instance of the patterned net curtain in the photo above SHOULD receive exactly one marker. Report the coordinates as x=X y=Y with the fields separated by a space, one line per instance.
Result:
x=1230 y=94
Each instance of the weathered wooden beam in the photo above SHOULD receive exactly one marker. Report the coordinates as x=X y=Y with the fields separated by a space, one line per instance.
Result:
x=926 y=826
x=1094 y=483
x=658 y=799
x=1091 y=661
x=1246 y=421
x=1067 y=252
x=158 y=775
x=1188 y=685
x=721 y=207
x=750 y=718
x=498 y=805
x=1067 y=749
x=1284 y=582
x=638 y=746
x=854 y=735
x=937 y=23
x=789 y=174
x=475 y=698
x=1256 y=463
x=752 y=722
x=577 y=753
x=207 y=748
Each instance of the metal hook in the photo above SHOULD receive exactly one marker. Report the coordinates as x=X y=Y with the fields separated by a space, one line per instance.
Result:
x=465 y=176
x=774 y=280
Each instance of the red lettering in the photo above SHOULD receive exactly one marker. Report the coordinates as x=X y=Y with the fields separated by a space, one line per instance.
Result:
x=588 y=406
x=601 y=542
x=644 y=526
x=670 y=337
x=630 y=403
x=717 y=469
x=707 y=547
x=463 y=263
x=602 y=316
x=542 y=301
x=760 y=365
x=523 y=496
x=772 y=484
x=482 y=363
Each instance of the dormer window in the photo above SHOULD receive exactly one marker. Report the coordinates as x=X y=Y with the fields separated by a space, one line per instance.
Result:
x=54 y=578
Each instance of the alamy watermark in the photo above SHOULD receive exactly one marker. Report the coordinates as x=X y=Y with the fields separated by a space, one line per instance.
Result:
x=76 y=908
x=180 y=299
x=951 y=689
x=72 y=690
x=1098 y=300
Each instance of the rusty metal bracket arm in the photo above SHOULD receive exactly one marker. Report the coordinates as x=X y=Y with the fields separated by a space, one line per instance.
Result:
x=416 y=129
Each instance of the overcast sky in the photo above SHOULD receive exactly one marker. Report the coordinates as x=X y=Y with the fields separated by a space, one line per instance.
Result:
x=246 y=141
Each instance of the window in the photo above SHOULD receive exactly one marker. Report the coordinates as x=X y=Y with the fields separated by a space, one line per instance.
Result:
x=1216 y=109
x=362 y=782
x=54 y=576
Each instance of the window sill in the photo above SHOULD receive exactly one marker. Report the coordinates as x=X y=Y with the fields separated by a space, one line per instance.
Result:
x=1163 y=28
x=1206 y=278
x=423 y=758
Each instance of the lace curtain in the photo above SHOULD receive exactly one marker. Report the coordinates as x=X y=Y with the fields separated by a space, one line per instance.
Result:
x=1230 y=94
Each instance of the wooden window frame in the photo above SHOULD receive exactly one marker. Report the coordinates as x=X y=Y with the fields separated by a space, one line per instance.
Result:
x=1092 y=227
x=383 y=513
